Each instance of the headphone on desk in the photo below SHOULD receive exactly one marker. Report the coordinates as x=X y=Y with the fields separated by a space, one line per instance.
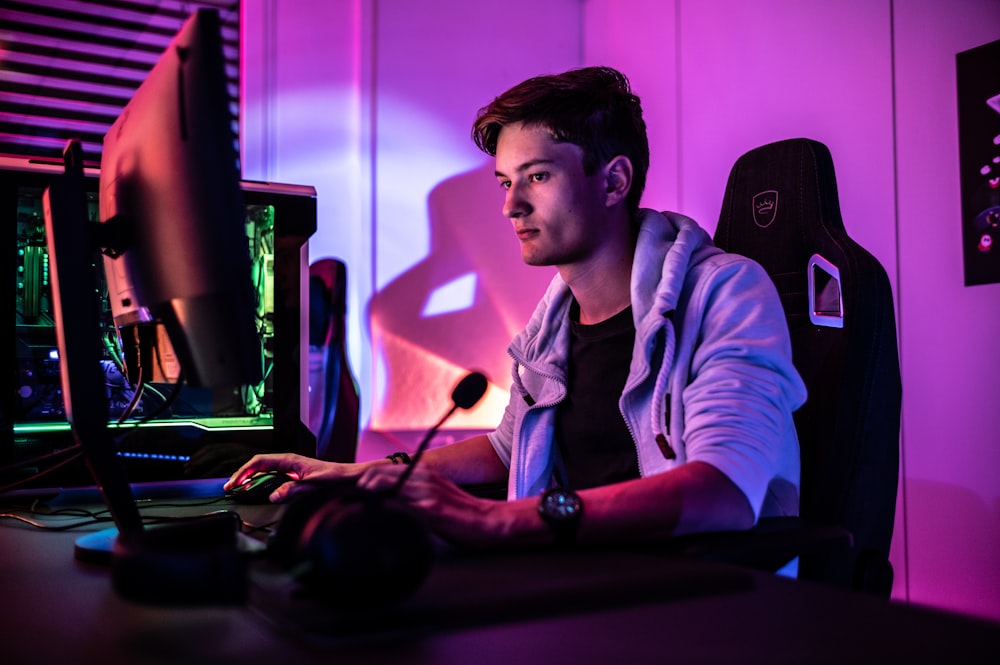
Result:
x=351 y=547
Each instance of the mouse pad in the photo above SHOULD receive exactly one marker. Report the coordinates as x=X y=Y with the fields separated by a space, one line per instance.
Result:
x=465 y=590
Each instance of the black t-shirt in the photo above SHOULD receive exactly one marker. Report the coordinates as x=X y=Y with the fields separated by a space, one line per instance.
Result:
x=595 y=445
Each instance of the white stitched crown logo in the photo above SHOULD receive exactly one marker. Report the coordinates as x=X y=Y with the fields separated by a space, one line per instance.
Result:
x=765 y=207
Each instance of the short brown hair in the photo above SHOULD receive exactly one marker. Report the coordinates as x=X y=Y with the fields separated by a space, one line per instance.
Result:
x=593 y=108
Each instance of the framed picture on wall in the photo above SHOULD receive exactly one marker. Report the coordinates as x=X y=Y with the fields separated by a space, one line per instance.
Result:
x=978 y=82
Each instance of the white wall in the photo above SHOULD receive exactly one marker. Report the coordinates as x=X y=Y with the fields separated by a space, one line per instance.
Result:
x=305 y=120
x=949 y=332
x=451 y=289
x=371 y=102
x=875 y=81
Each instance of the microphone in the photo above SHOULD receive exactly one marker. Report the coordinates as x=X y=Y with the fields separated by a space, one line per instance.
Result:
x=359 y=549
x=466 y=395
x=469 y=391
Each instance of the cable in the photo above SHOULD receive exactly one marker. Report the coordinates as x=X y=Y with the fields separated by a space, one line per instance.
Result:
x=137 y=391
x=42 y=473
x=39 y=458
x=134 y=425
x=104 y=516
x=54 y=527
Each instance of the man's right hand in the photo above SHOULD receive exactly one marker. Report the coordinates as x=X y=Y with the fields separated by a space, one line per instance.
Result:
x=303 y=470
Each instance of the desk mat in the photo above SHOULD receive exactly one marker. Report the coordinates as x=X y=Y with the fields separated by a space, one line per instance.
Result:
x=466 y=590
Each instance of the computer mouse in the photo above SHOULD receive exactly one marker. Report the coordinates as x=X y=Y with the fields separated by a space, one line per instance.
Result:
x=258 y=487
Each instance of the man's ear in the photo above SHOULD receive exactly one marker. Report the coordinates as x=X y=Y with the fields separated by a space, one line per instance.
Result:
x=618 y=179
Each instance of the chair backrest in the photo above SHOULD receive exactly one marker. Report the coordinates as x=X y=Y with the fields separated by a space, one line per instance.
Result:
x=781 y=209
x=334 y=401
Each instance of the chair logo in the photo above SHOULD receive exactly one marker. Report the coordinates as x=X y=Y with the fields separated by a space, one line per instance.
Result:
x=765 y=207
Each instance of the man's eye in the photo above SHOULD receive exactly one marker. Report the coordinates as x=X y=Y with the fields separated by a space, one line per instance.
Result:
x=504 y=184
x=539 y=177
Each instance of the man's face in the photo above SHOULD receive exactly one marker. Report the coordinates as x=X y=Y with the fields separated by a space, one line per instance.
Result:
x=556 y=209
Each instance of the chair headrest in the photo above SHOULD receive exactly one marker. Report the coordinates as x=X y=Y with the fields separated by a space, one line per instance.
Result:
x=327 y=299
x=781 y=205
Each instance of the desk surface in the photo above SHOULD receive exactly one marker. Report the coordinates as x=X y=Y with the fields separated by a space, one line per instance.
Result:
x=541 y=607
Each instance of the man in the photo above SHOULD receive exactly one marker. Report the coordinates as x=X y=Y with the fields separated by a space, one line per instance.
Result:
x=653 y=387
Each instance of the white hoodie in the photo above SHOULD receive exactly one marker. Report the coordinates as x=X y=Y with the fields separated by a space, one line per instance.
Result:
x=711 y=377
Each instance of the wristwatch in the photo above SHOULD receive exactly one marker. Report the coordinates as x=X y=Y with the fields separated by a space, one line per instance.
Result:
x=561 y=509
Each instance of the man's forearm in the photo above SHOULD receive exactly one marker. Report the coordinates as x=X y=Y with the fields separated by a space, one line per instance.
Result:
x=468 y=462
x=694 y=497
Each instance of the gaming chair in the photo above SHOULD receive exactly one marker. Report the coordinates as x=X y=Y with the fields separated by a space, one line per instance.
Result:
x=781 y=209
x=334 y=401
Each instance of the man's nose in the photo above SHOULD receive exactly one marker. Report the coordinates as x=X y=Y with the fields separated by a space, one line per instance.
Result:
x=515 y=205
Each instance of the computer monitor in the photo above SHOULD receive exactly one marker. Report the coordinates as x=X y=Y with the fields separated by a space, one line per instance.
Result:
x=205 y=430
x=176 y=256
x=173 y=213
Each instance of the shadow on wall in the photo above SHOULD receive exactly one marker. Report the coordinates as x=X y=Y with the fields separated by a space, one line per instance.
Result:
x=455 y=311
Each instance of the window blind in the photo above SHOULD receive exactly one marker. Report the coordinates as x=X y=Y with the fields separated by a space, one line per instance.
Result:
x=68 y=67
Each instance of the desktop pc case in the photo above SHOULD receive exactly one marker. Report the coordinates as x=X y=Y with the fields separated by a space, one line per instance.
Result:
x=204 y=432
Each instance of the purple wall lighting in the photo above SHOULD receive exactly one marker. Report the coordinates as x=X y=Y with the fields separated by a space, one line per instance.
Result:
x=411 y=205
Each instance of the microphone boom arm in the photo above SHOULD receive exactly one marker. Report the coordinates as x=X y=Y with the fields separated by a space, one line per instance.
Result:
x=466 y=394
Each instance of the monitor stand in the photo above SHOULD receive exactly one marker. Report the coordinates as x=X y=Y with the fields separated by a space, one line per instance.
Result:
x=72 y=246
x=96 y=547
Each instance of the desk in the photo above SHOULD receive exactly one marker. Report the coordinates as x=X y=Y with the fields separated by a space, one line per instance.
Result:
x=56 y=610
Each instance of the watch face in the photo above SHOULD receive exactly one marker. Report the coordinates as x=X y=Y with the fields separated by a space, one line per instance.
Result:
x=561 y=504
